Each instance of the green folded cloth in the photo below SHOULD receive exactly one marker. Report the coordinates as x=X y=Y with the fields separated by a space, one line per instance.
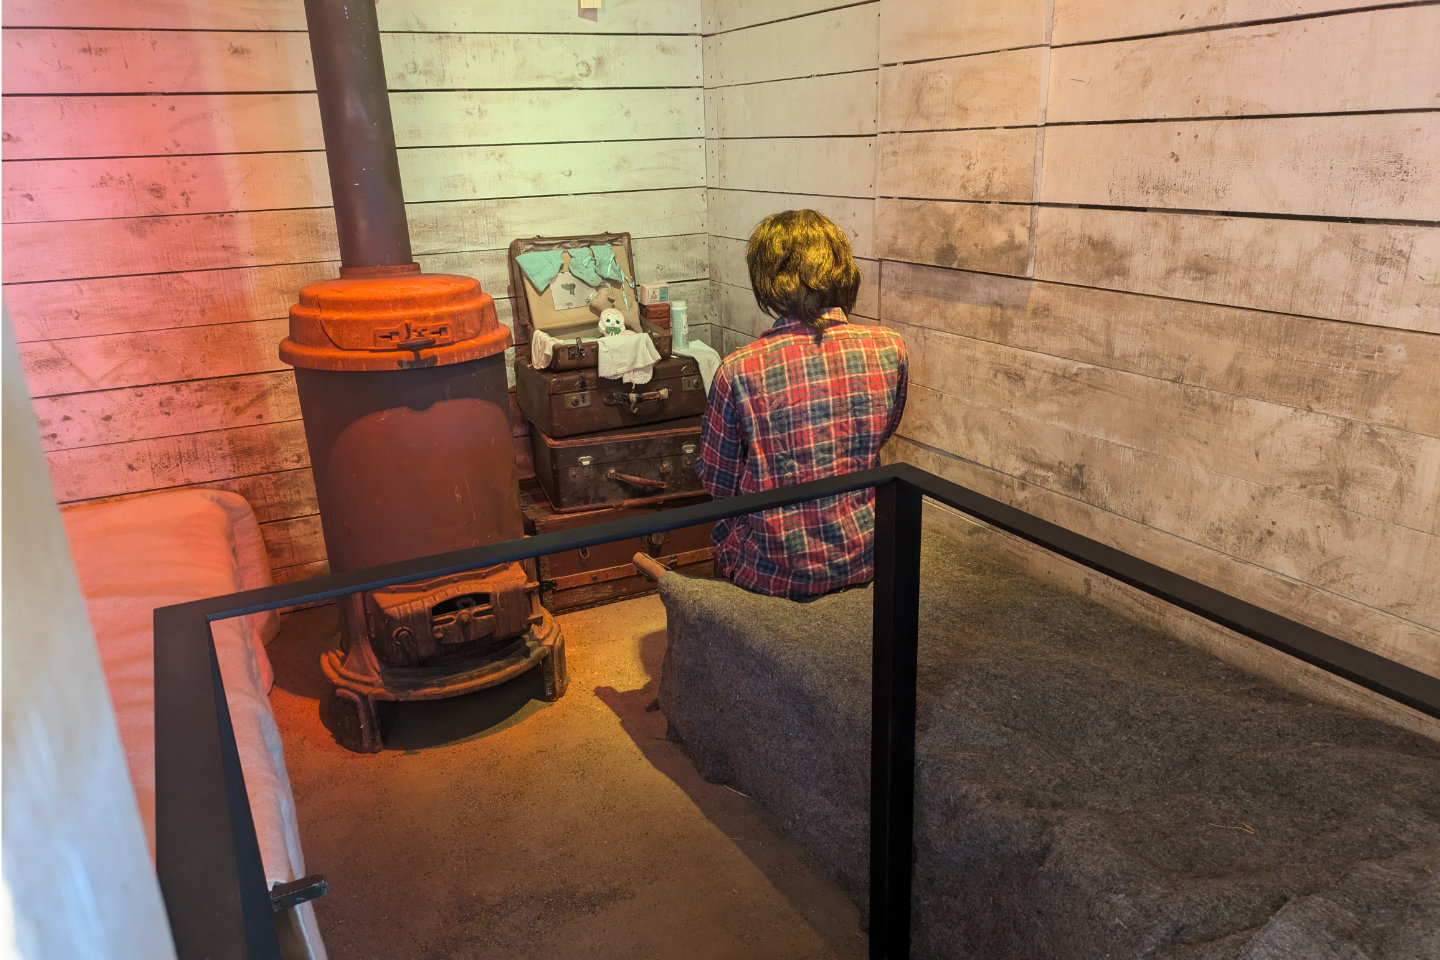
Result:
x=541 y=266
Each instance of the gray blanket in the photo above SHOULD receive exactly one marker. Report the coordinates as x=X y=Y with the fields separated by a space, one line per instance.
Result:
x=1087 y=788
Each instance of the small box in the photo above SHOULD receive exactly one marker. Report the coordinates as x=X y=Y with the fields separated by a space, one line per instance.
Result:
x=656 y=312
x=654 y=292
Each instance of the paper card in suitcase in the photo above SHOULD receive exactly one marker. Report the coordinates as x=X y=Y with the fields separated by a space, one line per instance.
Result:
x=561 y=284
x=647 y=464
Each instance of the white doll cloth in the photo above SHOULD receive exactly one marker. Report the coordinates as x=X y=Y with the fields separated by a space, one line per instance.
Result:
x=628 y=356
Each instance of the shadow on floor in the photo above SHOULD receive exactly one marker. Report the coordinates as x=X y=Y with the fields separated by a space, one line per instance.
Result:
x=733 y=812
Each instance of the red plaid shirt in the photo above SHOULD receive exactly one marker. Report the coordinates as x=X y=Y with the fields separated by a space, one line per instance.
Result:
x=785 y=410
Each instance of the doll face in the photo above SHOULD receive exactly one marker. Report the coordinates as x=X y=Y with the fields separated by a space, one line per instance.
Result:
x=612 y=322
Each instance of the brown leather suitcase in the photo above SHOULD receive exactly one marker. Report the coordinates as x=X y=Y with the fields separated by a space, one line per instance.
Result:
x=590 y=576
x=648 y=464
x=564 y=403
x=576 y=325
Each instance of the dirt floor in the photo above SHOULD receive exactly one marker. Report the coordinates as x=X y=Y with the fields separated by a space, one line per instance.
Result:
x=496 y=825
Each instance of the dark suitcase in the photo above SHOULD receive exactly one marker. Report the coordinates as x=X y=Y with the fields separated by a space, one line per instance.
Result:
x=577 y=325
x=564 y=403
x=590 y=576
x=647 y=464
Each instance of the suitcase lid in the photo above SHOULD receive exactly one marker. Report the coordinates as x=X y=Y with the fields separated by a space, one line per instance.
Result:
x=659 y=440
x=558 y=309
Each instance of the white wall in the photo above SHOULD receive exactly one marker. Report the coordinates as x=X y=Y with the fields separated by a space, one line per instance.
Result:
x=78 y=876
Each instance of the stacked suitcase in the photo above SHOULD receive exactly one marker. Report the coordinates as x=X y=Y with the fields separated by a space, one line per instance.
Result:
x=603 y=449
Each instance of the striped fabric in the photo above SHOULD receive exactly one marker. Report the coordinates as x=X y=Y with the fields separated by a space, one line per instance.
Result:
x=786 y=409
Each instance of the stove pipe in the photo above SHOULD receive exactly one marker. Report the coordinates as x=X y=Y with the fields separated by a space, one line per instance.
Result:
x=401 y=378
x=359 y=134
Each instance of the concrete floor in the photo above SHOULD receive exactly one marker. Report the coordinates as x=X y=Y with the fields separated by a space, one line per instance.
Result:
x=496 y=825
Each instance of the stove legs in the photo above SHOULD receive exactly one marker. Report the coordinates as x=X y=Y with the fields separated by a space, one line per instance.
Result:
x=365 y=691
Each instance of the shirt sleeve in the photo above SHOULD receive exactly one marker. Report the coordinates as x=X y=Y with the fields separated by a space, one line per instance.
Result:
x=902 y=387
x=722 y=441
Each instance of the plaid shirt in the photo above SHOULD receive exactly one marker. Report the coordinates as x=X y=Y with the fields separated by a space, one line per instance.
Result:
x=785 y=410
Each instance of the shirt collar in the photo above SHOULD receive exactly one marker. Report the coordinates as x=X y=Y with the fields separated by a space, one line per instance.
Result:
x=793 y=325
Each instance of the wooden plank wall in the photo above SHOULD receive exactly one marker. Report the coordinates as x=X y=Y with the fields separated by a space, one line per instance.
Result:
x=1170 y=276
x=165 y=196
x=1169 y=272
x=791 y=94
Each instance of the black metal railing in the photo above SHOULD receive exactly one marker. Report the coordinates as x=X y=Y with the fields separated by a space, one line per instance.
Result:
x=207 y=856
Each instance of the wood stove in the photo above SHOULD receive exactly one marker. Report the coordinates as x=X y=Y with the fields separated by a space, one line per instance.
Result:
x=401 y=377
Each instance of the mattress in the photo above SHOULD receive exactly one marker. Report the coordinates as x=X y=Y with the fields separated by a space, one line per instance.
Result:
x=145 y=552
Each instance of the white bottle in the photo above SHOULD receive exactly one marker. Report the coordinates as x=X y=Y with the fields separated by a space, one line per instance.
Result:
x=679 y=326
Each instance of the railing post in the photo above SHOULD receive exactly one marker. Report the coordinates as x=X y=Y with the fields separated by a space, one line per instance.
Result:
x=895 y=634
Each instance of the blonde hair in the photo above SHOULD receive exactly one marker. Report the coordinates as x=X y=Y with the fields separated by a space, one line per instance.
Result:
x=801 y=267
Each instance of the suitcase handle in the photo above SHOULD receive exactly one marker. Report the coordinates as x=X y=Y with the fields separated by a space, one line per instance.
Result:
x=635 y=399
x=613 y=474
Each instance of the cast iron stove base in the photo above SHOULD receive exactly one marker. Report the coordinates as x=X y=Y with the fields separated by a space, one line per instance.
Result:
x=357 y=691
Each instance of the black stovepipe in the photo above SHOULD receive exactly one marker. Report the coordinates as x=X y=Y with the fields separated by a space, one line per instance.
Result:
x=359 y=133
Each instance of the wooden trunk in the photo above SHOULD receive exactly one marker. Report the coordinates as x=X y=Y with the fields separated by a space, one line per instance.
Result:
x=648 y=464
x=601 y=574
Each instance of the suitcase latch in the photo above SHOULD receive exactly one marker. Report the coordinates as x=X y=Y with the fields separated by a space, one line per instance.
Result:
x=574 y=401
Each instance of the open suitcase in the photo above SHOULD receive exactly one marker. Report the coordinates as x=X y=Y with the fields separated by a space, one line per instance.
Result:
x=567 y=397
x=647 y=464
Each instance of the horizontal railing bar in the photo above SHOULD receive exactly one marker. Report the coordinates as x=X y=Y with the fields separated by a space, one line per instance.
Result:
x=330 y=586
x=1397 y=681
x=197 y=769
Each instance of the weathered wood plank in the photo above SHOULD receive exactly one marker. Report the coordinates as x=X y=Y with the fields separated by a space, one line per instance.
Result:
x=993 y=237
x=273 y=496
x=1141 y=607
x=1361 y=273
x=1331 y=549
x=49 y=251
x=836 y=41
x=727 y=265
x=299 y=571
x=1372 y=165
x=1376 y=60
x=833 y=166
x=489 y=16
x=81 y=308
x=56 y=367
x=842 y=104
x=141 y=125
x=219 y=183
x=144 y=61
x=959 y=165
x=164 y=410
x=417 y=61
x=717 y=16
x=196 y=458
x=294 y=541
x=151 y=61
x=734 y=214
x=990 y=90
x=1357 y=371
x=925 y=30
x=1077 y=21
x=1365 y=469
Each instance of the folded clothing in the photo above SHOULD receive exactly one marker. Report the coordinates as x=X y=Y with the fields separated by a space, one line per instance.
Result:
x=541 y=266
x=629 y=356
x=705 y=357
x=542 y=349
